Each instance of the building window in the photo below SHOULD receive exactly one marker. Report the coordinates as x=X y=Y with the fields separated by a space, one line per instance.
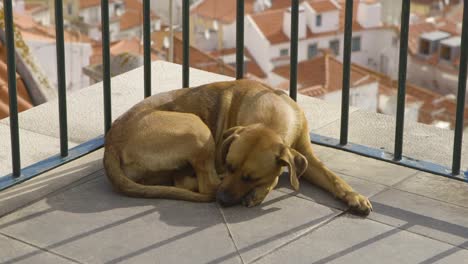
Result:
x=335 y=46
x=284 y=52
x=312 y=50
x=445 y=53
x=356 y=44
x=424 y=47
x=318 y=20
x=70 y=8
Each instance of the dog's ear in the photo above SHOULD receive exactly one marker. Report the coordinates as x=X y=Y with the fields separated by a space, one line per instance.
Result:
x=233 y=130
x=296 y=163
x=228 y=137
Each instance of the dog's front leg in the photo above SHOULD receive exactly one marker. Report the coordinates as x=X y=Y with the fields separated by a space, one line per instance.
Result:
x=324 y=178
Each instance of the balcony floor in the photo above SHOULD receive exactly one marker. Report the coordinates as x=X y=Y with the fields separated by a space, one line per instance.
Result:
x=71 y=214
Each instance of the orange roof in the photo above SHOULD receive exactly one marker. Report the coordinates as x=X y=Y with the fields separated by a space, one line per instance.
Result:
x=133 y=16
x=91 y=3
x=202 y=60
x=324 y=72
x=434 y=107
x=132 y=45
x=35 y=7
x=224 y=11
x=24 y=100
x=270 y=23
x=322 y=6
x=252 y=66
x=30 y=29
x=415 y=31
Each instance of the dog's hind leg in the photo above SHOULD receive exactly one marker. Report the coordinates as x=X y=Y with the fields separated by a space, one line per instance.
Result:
x=324 y=178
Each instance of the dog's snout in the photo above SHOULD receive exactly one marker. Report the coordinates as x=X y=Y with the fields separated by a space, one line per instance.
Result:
x=224 y=198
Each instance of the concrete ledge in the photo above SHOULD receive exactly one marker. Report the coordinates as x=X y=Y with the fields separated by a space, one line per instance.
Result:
x=34 y=147
x=421 y=141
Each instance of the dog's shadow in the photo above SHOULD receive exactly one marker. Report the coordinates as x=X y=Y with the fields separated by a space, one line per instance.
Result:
x=98 y=197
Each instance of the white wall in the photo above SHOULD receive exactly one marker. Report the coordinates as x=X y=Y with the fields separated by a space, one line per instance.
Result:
x=77 y=56
x=369 y=15
x=257 y=44
x=364 y=96
x=161 y=7
x=330 y=21
x=229 y=35
x=432 y=77
x=42 y=17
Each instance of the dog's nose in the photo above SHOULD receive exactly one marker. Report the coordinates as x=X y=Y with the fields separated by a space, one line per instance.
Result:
x=224 y=199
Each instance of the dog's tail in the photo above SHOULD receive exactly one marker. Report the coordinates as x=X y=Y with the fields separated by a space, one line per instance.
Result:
x=125 y=185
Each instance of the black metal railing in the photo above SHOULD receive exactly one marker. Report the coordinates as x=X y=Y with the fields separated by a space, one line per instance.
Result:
x=18 y=174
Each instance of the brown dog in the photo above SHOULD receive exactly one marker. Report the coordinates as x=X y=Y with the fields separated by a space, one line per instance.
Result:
x=242 y=130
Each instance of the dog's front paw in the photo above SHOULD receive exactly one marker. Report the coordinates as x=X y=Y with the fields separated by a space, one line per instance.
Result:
x=359 y=204
x=252 y=199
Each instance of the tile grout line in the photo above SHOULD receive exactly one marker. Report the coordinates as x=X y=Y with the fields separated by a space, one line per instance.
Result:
x=40 y=248
x=299 y=236
x=230 y=233
x=418 y=234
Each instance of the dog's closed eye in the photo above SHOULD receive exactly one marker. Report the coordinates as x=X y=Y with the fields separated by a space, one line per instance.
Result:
x=230 y=168
x=247 y=178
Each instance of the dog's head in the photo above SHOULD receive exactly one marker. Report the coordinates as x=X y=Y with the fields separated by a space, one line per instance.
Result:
x=254 y=157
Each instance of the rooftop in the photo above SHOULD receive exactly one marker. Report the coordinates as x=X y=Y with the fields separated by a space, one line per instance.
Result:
x=71 y=214
x=435 y=35
x=323 y=73
x=270 y=22
x=452 y=42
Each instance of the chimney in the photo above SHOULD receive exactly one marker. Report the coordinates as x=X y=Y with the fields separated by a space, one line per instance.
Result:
x=369 y=13
x=302 y=23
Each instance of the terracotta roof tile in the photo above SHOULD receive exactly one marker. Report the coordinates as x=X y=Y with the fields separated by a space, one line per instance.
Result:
x=91 y=3
x=224 y=11
x=270 y=24
x=133 y=16
x=202 y=60
x=132 y=45
x=252 y=66
x=324 y=72
x=415 y=31
x=24 y=100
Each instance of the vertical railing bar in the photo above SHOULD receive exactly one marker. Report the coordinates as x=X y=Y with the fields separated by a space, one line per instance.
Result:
x=293 y=48
x=106 y=74
x=147 y=47
x=185 y=43
x=400 y=115
x=240 y=40
x=348 y=34
x=462 y=75
x=13 y=100
x=61 y=78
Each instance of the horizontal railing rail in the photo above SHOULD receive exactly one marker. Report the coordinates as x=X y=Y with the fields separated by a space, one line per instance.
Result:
x=21 y=174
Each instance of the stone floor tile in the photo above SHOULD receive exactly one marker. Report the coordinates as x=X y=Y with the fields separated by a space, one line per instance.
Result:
x=13 y=251
x=279 y=219
x=348 y=239
x=313 y=193
x=93 y=224
x=365 y=168
x=61 y=177
x=422 y=215
x=437 y=187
